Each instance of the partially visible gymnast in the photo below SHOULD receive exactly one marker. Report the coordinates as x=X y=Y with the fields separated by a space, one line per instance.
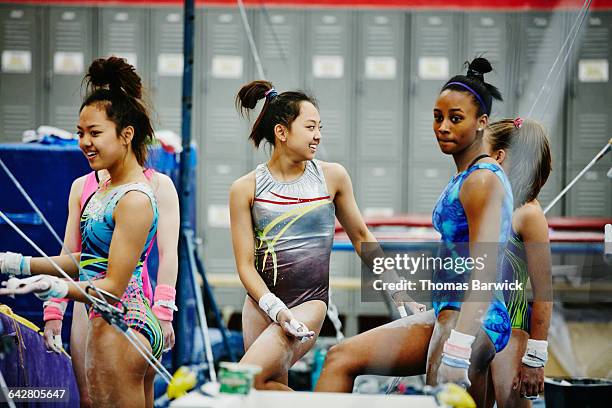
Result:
x=522 y=149
x=282 y=221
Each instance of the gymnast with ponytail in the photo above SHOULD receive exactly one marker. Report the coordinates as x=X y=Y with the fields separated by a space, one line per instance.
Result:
x=283 y=222
x=110 y=228
x=457 y=340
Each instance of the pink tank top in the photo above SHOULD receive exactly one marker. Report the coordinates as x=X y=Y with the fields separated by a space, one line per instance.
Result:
x=89 y=188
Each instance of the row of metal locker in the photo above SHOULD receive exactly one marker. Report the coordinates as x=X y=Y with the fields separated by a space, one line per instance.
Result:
x=375 y=73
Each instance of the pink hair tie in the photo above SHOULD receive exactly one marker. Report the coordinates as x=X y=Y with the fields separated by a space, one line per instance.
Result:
x=164 y=302
x=518 y=122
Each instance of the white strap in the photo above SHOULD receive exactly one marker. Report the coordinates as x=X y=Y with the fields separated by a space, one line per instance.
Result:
x=168 y=304
x=13 y=263
x=536 y=354
x=271 y=304
x=461 y=339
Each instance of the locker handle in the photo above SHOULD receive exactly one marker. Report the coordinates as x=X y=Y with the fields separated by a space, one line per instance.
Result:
x=48 y=79
x=154 y=82
x=573 y=88
x=520 y=86
x=360 y=87
x=414 y=82
x=204 y=86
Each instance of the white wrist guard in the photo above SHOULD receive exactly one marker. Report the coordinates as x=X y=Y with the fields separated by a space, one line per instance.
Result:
x=15 y=264
x=536 y=354
x=460 y=339
x=270 y=304
x=58 y=288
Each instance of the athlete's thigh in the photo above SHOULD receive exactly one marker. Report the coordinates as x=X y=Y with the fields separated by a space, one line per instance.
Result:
x=254 y=322
x=396 y=348
x=78 y=344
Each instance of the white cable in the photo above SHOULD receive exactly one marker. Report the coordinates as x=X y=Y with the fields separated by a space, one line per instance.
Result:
x=61 y=271
x=163 y=372
x=583 y=10
x=599 y=155
x=249 y=33
x=27 y=197
x=568 y=53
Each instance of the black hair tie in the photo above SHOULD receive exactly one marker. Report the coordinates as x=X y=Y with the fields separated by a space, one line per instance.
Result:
x=471 y=73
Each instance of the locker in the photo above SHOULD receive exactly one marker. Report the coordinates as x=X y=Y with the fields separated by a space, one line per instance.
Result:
x=225 y=56
x=541 y=36
x=277 y=33
x=488 y=34
x=122 y=32
x=217 y=176
x=426 y=183
x=380 y=81
x=435 y=57
x=20 y=72
x=379 y=191
x=330 y=77
x=167 y=66
x=71 y=50
x=589 y=118
x=590 y=196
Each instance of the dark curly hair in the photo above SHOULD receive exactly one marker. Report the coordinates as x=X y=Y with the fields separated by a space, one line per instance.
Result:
x=114 y=85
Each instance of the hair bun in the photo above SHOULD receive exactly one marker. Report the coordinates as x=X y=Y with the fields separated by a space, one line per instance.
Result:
x=115 y=74
x=478 y=67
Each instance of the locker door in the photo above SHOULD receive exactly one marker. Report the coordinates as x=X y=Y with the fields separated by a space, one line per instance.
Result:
x=167 y=75
x=225 y=58
x=426 y=184
x=218 y=175
x=540 y=37
x=590 y=119
x=488 y=34
x=590 y=196
x=20 y=71
x=379 y=188
x=71 y=52
x=330 y=77
x=434 y=59
x=380 y=110
x=380 y=98
x=122 y=33
x=277 y=35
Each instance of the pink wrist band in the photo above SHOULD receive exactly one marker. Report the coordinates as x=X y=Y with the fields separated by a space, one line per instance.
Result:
x=163 y=302
x=54 y=309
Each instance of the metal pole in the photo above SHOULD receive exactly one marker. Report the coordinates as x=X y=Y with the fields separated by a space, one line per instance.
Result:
x=599 y=155
x=185 y=192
